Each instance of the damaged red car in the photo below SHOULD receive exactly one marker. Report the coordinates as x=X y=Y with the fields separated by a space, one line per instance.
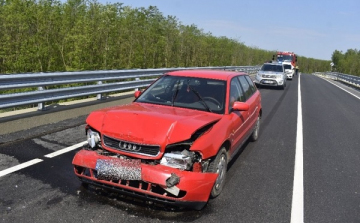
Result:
x=173 y=143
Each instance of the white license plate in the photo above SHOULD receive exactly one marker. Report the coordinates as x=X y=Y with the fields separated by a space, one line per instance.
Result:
x=268 y=82
x=118 y=169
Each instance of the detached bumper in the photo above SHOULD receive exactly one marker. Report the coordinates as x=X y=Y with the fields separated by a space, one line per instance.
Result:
x=195 y=187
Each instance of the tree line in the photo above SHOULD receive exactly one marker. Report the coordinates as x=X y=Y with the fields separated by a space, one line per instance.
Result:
x=50 y=35
x=348 y=62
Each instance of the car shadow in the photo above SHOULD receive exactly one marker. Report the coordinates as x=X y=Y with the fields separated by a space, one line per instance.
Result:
x=135 y=206
x=270 y=87
x=240 y=151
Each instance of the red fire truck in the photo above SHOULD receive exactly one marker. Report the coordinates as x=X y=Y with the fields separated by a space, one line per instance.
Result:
x=283 y=56
x=286 y=56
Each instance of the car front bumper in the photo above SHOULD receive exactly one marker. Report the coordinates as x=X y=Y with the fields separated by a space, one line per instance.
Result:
x=194 y=187
x=269 y=81
x=289 y=76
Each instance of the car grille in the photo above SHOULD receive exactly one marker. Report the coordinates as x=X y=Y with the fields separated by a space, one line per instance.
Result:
x=268 y=76
x=130 y=147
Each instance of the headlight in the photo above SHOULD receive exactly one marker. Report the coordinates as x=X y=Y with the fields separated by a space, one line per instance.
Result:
x=93 y=138
x=183 y=160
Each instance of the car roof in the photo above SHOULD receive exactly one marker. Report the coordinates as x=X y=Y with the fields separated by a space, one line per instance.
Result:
x=212 y=74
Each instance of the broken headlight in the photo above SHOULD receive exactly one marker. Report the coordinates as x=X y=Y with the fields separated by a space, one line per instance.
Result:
x=180 y=160
x=93 y=137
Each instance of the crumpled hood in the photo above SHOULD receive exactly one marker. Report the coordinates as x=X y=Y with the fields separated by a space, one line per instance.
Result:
x=149 y=124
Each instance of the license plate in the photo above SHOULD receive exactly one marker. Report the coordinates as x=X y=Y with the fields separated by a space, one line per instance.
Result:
x=118 y=169
x=267 y=82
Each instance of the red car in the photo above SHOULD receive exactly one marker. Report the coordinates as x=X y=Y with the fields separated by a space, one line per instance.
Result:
x=172 y=144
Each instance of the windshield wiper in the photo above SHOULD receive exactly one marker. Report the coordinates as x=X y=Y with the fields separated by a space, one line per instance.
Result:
x=175 y=93
x=199 y=96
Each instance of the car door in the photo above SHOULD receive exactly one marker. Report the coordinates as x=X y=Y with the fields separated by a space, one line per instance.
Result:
x=251 y=100
x=238 y=119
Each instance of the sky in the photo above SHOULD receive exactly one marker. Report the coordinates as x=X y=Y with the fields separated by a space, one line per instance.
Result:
x=309 y=28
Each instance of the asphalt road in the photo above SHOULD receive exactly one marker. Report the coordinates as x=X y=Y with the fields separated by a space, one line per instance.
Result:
x=259 y=183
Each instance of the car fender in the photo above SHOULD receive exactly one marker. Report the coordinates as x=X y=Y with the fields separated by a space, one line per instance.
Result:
x=209 y=143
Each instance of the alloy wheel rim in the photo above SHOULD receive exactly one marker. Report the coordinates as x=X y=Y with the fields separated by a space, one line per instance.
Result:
x=256 y=132
x=221 y=171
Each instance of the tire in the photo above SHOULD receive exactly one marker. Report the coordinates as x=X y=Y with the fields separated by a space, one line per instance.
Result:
x=219 y=165
x=255 y=134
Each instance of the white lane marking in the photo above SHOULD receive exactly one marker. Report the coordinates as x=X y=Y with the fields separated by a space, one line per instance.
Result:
x=65 y=150
x=343 y=89
x=19 y=167
x=297 y=206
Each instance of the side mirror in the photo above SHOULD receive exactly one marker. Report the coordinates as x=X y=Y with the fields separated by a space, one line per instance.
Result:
x=240 y=106
x=137 y=94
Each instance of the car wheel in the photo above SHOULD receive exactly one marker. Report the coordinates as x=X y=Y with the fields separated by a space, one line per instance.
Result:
x=219 y=165
x=255 y=135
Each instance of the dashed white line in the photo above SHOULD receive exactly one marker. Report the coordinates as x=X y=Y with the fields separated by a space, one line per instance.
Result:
x=297 y=206
x=19 y=167
x=65 y=150
x=35 y=161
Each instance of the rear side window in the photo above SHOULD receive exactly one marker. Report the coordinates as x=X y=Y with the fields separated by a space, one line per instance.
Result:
x=245 y=86
x=251 y=83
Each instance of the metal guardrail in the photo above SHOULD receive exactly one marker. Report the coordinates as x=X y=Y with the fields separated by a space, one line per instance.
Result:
x=96 y=83
x=350 y=79
x=346 y=78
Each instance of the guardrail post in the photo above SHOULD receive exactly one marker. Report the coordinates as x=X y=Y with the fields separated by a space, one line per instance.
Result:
x=41 y=106
x=99 y=96
x=137 y=79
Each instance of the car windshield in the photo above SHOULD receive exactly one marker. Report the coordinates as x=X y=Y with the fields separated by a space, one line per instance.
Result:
x=187 y=92
x=287 y=66
x=281 y=58
x=272 y=67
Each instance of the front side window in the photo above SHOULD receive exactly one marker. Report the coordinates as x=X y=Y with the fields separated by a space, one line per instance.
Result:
x=236 y=93
x=187 y=92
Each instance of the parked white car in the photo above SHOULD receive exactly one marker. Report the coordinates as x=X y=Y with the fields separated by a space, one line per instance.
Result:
x=289 y=70
x=271 y=74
